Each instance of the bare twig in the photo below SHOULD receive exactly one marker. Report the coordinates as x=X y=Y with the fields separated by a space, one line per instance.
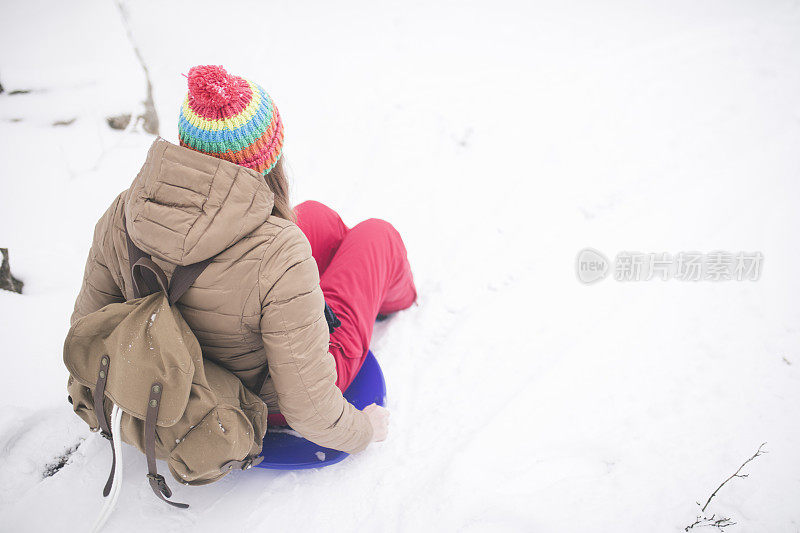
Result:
x=735 y=474
x=712 y=521
x=150 y=116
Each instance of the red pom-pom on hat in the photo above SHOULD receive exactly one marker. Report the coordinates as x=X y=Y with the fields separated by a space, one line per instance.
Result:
x=211 y=86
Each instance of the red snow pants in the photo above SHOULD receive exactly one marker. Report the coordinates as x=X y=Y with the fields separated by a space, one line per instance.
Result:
x=364 y=271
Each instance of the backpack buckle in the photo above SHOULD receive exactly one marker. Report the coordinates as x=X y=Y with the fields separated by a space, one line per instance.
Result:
x=161 y=482
x=252 y=461
x=106 y=435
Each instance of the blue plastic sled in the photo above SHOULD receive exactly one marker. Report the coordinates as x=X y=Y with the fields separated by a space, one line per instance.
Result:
x=285 y=451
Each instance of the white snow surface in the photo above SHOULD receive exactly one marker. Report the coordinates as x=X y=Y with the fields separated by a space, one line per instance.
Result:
x=500 y=138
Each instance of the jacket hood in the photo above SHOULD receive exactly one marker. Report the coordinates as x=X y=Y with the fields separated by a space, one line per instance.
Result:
x=185 y=207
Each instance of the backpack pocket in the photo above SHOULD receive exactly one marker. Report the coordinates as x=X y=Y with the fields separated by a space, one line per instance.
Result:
x=81 y=399
x=145 y=342
x=225 y=433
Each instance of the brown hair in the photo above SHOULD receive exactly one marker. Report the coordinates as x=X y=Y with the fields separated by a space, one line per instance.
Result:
x=279 y=185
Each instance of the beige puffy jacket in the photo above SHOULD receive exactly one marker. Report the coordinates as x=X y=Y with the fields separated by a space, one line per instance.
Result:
x=257 y=309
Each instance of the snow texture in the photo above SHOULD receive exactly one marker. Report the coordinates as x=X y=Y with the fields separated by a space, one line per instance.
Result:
x=500 y=139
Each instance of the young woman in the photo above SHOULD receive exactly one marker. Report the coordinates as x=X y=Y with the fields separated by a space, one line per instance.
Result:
x=290 y=297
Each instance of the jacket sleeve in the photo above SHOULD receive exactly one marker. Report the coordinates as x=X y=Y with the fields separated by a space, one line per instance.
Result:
x=99 y=288
x=296 y=338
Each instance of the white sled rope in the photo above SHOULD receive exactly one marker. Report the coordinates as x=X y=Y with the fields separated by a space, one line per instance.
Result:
x=116 y=484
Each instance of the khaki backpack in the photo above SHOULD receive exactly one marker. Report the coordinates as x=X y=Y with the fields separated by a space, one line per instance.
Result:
x=140 y=359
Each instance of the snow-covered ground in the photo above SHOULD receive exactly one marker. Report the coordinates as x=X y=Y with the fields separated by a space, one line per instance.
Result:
x=500 y=138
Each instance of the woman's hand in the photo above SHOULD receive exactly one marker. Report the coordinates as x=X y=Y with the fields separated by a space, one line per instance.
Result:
x=379 y=419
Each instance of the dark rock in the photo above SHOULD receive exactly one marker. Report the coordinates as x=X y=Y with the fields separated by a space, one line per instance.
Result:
x=148 y=120
x=65 y=122
x=19 y=91
x=119 y=122
x=1 y=89
x=7 y=281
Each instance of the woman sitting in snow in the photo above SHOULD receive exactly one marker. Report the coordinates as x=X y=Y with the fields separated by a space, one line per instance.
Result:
x=279 y=278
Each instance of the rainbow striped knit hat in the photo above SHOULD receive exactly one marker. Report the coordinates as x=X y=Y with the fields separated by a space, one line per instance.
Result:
x=231 y=118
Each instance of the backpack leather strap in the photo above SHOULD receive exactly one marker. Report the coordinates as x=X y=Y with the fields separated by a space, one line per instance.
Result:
x=98 y=395
x=145 y=264
x=149 y=279
x=157 y=481
x=134 y=255
x=183 y=277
